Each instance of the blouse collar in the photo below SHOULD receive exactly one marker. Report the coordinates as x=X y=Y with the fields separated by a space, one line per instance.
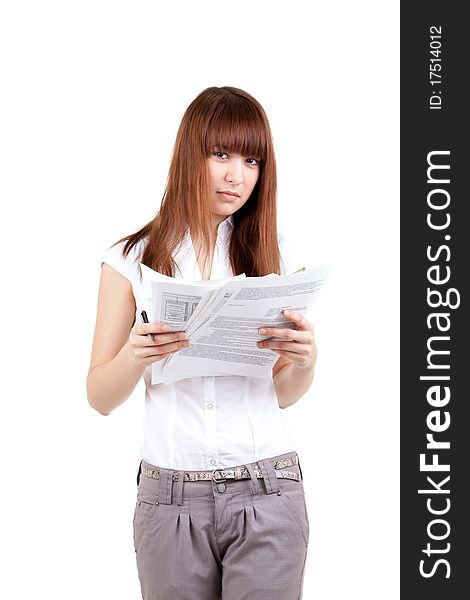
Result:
x=225 y=227
x=224 y=233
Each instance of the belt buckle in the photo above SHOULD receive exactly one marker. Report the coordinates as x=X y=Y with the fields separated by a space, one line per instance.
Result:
x=217 y=480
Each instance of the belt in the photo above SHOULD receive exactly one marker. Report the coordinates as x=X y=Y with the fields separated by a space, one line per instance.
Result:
x=240 y=472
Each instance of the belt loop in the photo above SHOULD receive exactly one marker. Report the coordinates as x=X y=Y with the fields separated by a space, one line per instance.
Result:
x=164 y=486
x=269 y=476
x=300 y=470
x=254 y=479
x=179 y=488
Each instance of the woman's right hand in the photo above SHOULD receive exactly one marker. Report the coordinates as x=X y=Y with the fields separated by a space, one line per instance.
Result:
x=164 y=342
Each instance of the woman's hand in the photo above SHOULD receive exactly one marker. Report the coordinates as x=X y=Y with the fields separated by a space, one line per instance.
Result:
x=298 y=345
x=147 y=352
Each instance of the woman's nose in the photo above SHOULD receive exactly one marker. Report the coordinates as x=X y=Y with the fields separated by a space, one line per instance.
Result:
x=235 y=171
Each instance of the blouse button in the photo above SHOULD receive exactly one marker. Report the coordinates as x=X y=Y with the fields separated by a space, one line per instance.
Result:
x=212 y=462
x=210 y=406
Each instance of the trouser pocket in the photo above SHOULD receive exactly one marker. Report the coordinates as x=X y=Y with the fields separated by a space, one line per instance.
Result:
x=142 y=515
x=145 y=507
x=292 y=503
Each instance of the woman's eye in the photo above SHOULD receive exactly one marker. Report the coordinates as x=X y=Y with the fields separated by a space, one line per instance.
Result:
x=251 y=161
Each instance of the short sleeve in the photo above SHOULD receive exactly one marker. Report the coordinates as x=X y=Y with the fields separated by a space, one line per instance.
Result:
x=293 y=255
x=128 y=266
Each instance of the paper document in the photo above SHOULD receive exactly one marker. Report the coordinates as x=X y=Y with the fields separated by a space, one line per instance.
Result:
x=222 y=318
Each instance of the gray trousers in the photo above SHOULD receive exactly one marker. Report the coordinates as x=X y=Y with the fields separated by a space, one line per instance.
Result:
x=242 y=540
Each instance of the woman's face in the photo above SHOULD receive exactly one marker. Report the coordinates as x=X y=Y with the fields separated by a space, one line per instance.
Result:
x=230 y=172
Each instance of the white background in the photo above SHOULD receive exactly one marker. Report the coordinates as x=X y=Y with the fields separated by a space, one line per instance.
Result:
x=93 y=93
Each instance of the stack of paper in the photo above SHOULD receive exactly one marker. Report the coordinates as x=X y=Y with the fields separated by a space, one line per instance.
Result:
x=222 y=318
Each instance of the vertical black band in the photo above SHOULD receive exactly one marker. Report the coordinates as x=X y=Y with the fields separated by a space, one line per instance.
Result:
x=435 y=441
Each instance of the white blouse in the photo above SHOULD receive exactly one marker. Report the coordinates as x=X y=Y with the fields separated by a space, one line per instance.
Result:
x=201 y=423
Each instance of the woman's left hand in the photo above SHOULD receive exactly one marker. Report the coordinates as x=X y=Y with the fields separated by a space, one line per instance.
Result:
x=298 y=345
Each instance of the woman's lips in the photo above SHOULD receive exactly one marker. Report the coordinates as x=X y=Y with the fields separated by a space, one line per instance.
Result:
x=228 y=196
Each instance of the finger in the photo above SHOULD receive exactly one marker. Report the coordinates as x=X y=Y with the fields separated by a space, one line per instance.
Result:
x=286 y=333
x=290 y=355
x=301 y=362
x=170 y=348
x=160 y=351
x=301 y=322
x=294 y=347
x=167 y=338
x=149 y=340
x=144 y=328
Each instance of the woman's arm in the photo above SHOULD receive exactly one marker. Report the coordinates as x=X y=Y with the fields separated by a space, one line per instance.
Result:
x=117 y=362
x=113 y=372
x=293 y=371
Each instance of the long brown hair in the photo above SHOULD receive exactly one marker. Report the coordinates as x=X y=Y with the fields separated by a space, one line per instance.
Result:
x=233 y=121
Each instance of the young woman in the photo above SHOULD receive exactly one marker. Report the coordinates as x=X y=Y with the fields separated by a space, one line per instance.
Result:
x=220 y=509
